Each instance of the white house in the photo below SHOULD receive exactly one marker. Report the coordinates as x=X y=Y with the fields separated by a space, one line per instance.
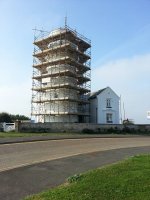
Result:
x=104 y=107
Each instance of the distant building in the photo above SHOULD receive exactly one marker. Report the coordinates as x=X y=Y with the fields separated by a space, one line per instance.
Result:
x=104 y=107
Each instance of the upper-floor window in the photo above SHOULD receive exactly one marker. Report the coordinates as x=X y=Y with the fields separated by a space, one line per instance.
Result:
x=108 y=103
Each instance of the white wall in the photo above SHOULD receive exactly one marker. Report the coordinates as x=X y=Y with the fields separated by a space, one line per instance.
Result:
x=108 y=93
x=100 y=103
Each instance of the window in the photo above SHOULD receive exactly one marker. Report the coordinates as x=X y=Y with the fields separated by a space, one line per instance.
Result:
x=108 y=103
x=55 y=95
x=109 y=118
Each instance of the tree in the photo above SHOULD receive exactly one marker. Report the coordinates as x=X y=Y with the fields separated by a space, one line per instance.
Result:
x=8 y=118
x=19 y=117
x=5 y=117
x=128 y=121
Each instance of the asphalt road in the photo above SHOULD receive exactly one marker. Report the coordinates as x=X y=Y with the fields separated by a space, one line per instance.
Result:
x=22 y=154
x=47 y=164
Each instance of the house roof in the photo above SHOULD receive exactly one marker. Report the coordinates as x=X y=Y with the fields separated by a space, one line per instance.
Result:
x=94 y=94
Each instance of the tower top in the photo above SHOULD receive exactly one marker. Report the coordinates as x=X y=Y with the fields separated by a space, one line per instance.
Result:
x=66 y=20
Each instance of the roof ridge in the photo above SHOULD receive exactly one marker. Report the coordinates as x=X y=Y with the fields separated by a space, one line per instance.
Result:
x=94 y=94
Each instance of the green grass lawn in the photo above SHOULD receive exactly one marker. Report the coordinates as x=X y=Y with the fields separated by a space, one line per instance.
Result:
x=126 y=180
x=14 y=134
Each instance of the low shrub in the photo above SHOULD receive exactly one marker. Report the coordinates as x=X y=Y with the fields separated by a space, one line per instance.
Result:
x=1 y=130
x=88 y=131
x=35 y=130
x=74 y=178
x=99 y=130
x=110 y=130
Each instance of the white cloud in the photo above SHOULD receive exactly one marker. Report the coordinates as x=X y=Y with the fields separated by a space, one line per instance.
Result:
x=129 y=78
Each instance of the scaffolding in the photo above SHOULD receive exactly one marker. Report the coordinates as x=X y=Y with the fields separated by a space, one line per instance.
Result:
x=61 y=76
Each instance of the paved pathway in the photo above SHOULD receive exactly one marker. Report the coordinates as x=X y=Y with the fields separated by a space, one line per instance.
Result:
x=61 y=137
x=22 y=154
x=17 y=183
x=29 y=167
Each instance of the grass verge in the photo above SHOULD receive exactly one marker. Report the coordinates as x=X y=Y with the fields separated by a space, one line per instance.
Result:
x=14 y=134
x=126 y=180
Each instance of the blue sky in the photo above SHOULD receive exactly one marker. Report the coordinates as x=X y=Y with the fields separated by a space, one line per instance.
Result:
x=120 y=35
